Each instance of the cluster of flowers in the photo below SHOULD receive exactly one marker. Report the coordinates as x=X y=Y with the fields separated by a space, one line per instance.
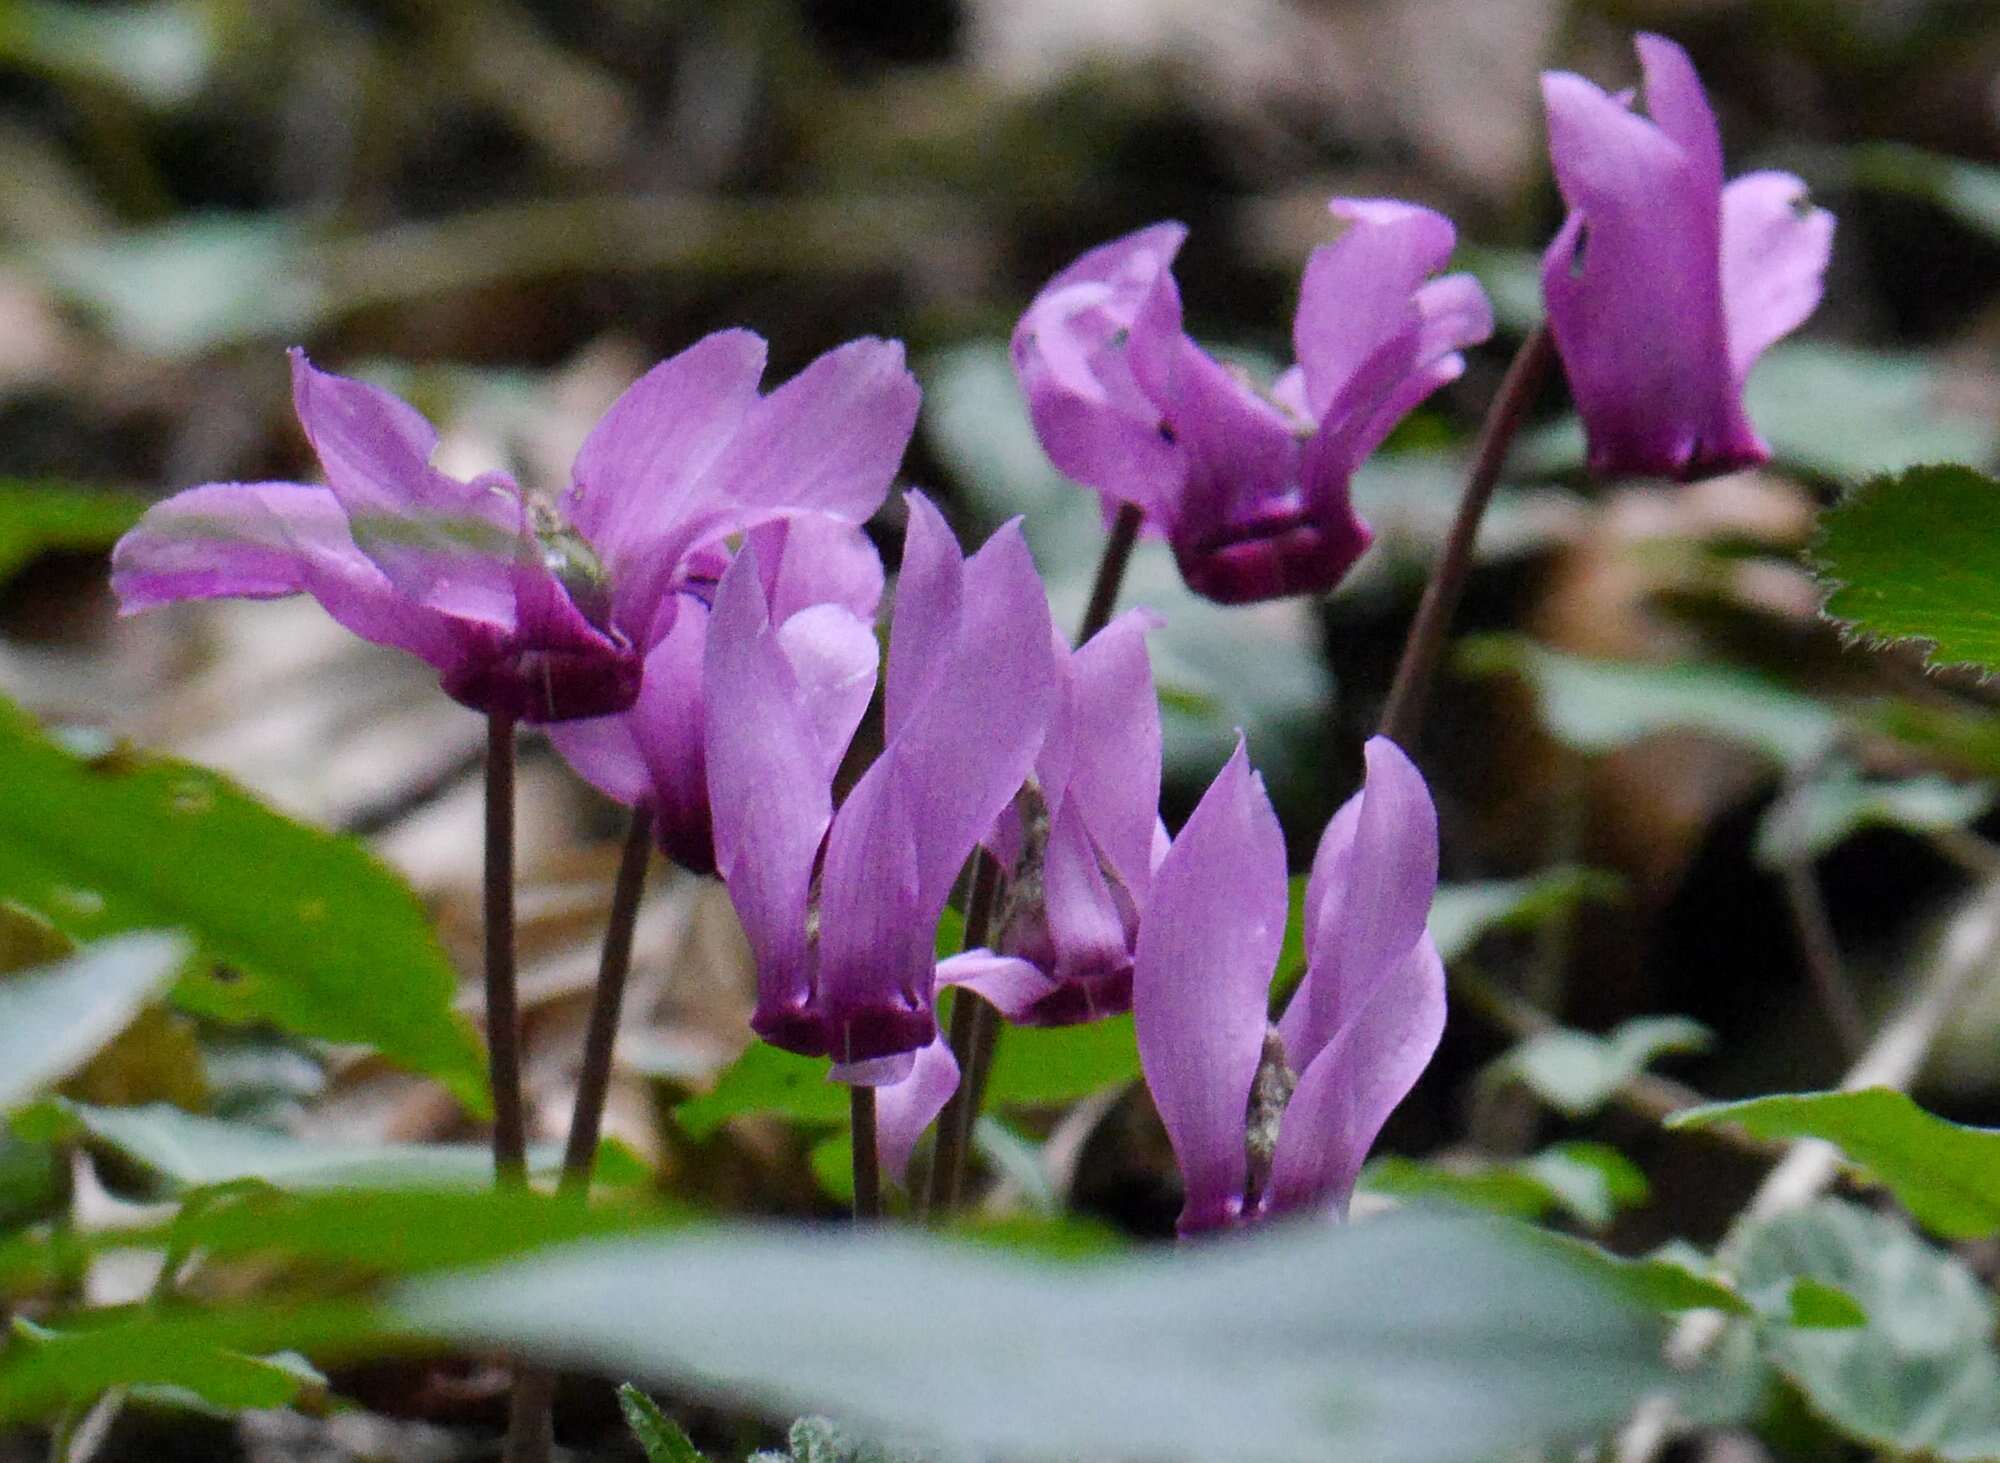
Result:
x=692 y=619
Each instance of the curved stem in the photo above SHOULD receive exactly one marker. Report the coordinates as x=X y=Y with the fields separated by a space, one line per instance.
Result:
x=975 y=1026
x=867 y=1163
x=1111 y=571
x=1403 y=716
x=594 y=1082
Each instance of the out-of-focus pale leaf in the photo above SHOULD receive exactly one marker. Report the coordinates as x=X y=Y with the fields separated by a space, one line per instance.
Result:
x=1463 y=914
x=1916 y=557
x=56 y=1018
x=1600 y=705
x=1577 y=1072
x=1921 y=1376
x=1818 y=816
x=1948 y=1174
x=197 y=282
x=1589 y=1181
x=314 y=934
x=1405 y=1339
x=38 y=517
x=159 y=52
x=1969 y=191
x=193 y=1152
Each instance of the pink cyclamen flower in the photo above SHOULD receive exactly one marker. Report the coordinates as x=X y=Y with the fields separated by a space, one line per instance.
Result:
x=841 y=909
x=1268 y=1120
x=1079 y=844
x=1664 y=286
x=1250 y=490
x=542 y=611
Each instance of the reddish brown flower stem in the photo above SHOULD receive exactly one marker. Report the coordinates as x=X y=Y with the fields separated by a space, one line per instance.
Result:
x=503 y=1015
x=1403 y=716
x=867 y=1162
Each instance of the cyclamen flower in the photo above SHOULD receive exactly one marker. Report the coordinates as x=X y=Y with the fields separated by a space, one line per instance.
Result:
x=1079 y=843
x=1250 y=490
x=529 y=609
x=840 y=909
x=1269 y=1120
x=1664 y=286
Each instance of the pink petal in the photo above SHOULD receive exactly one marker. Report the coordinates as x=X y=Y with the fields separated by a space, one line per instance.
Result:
x=1367 y=899
x=1675 y=100
x=876 y=950
x=1775 y=249
x=904 y=1109
x=1011 y=984
x=1115 y=770
x=833 y=657
x=1357 y=292
x=1091 y=352
x=815 y=559
x=1207 y=948
x=1348 y=1090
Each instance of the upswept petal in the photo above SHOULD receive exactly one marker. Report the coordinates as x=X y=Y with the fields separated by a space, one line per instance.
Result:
x=1452 y=313
x=1014 y=986
x=1348 y=1090
x=262 y=540
x=965 y=743
x=1632 y=285
x=1775 y=250
x=1358 y=291
x=1087 y=927
x=450 y=545
x=1675 y=100
x=827 y=441
x=872 y=995
x=924 y=623
x=1207 y=948
x=1114 y=777
x=647 y=456
x=604 y=752
x=1091 y=351
x=813 y=559
x=904 y=1109
x=1367 y=899
x=765 y=782
x=833 y=656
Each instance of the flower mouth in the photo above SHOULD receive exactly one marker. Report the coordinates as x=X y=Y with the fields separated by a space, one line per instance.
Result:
x=540 y=684
x=1272 y=556
x=858 y=1034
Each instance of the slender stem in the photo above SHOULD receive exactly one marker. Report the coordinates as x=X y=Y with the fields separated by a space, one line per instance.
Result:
x=975 y=1025
x=1892 y=1059
x=587 y=1120
x=1822 y=956
x=503 y=1015
x=1111 y=571
x=1403 y=716
x=867 y=1164
x=531 y=1418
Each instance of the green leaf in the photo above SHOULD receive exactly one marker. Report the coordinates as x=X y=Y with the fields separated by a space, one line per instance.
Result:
x=1576 y=1072
x=1601 y=705
x=766 y=1080
x=56 y=1018
x=1659 y=1281
x=1948 y=1175
x=1916 y=557
x=660 y=1437
x=191 y=1152
x=1968 y=190
x=317 y=935
x=1589 y=1181
x=1920 y=1376
x=832 y=1163
x=1813 y=1305
x=1037 y=1066
x=1411 y=1338
x=36 y=518
x=1463 y=914
x=1822 y=814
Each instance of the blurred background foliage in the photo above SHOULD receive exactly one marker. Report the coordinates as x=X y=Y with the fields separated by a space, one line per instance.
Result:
x=507 y=208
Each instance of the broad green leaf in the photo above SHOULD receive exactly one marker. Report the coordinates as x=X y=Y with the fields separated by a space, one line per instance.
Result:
x=661 y=1439
x=1577 y=1072
x=1921 y=1376
x=1463 y=914
x=1411 y=1338
x=1916 y=557
x=315 y=934
x=1820 y=815
x=1041 y=1066
x=1947 y=1174
x=832 y=1163
x=225 y=1357
x=37 y=517
x=1600 y=705
x=1813 y=1305
x=766 y=1080
x=191 y=1152
x=1661 y=1281
x=1589 y=1181
x=56 y=1018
